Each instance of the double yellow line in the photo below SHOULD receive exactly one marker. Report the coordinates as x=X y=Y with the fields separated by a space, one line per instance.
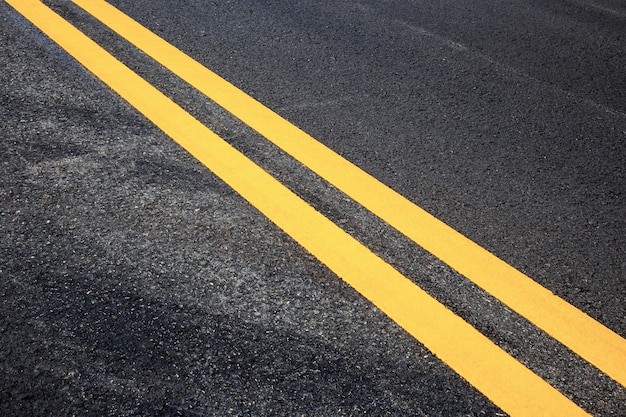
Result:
x=504 y=380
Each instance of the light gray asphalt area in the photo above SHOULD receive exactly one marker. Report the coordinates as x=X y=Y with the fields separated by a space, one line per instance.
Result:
x=134 y=282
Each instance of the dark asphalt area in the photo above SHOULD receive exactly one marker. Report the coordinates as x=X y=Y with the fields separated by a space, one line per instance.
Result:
x=133 y=282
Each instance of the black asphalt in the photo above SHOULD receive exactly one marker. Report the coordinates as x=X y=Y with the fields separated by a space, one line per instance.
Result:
x=133 y=282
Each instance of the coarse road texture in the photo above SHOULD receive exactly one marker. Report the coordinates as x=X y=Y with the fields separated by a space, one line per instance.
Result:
x=134 y=281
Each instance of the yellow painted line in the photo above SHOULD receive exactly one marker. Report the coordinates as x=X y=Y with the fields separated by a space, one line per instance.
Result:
x=495 y=373
x=582 y=334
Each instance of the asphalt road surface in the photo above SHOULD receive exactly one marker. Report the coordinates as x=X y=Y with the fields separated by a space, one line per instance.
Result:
x=136 y=282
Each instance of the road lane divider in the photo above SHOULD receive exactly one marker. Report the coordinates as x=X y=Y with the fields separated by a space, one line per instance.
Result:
x=504 y=380
x=588 y=338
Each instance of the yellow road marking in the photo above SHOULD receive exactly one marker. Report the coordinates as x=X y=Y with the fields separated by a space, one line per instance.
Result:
x=499 y=376
x=593 y=341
